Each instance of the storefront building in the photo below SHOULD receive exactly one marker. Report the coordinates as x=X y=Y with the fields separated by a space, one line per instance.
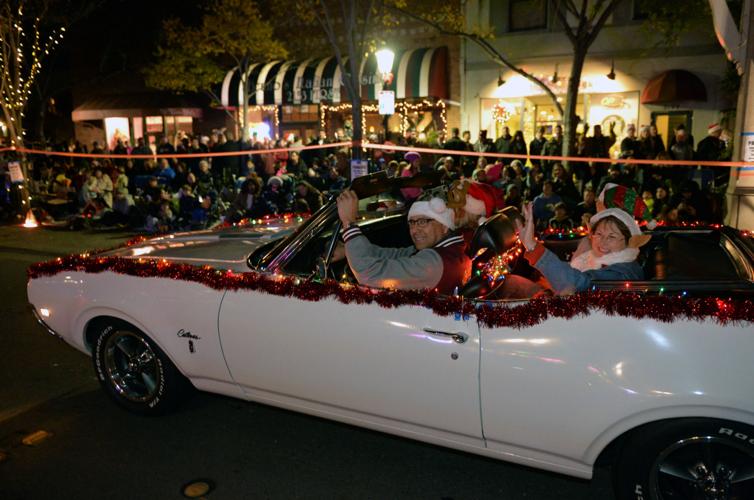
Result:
x=625 y=80
x=305 y=97
x=106 y=119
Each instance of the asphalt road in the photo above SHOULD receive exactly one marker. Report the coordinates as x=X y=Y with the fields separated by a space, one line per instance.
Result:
x=244 y=450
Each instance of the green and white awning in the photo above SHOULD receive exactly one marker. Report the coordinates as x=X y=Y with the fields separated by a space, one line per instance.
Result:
x=417 y=73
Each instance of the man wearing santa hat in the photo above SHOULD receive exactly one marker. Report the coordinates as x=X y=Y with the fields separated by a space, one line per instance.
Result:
x=437 y=259
x=711 y=148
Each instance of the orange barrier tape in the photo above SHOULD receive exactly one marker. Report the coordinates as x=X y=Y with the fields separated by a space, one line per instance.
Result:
x=443 y=152
x=176 y=155
x=448 y=152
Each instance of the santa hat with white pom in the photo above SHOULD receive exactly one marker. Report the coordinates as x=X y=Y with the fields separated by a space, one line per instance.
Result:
x=434 y=209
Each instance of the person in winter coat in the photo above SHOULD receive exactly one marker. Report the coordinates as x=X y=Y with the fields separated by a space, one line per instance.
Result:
x=437 y=259
x=615 y=239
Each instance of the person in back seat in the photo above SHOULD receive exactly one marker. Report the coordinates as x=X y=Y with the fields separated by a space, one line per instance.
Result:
x=615 y=239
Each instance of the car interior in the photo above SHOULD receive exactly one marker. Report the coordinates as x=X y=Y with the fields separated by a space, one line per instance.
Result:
x=672 y=258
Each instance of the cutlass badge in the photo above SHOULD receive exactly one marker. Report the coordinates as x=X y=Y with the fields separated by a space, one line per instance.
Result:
x=188 y=335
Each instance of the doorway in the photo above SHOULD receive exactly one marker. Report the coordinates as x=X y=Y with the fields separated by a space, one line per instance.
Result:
x=667 y=121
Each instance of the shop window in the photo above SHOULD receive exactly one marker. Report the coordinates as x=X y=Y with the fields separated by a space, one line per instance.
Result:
x=303 y=113
x=138 y=128
x=526 y=15
x=154 y=124
x=184 y=124
x=170 y=126
x=117 y=128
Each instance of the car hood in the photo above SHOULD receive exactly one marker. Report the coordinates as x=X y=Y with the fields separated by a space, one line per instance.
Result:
x=224 y=248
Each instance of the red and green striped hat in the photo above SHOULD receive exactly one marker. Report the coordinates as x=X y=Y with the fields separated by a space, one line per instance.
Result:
x=627 y=199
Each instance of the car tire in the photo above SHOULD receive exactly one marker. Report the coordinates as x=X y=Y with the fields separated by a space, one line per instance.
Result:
x=134 y=371
x=687 y=459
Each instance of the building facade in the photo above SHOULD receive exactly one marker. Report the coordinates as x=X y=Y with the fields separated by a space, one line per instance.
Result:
x=627 y=78
x=305 y=96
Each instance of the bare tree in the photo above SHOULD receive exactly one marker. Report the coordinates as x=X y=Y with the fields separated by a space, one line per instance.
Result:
x=23 y=49
x=356 y=19
x=582 y=24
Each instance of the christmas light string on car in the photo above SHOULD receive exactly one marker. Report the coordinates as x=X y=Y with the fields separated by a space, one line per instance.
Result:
x=552 y=233
x=499 y=266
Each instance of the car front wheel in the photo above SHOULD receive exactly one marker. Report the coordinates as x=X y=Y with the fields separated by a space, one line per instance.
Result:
x=690 y=459
x=134 y=372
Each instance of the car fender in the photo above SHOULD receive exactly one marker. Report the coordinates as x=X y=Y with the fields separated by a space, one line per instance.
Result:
x=630 y=423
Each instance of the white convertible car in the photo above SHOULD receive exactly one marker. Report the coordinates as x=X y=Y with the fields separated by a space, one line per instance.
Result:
x=663 y=391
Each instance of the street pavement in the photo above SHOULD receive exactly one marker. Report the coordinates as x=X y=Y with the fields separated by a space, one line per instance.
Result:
x=94 y=450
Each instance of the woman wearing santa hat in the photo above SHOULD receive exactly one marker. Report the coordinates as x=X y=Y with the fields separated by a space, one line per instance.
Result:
x=615 y=239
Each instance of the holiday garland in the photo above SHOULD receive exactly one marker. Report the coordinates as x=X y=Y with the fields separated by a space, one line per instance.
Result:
x=636 y=305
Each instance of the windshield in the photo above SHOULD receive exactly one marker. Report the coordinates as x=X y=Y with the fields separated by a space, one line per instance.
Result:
x=266 y=254
x=371 y=207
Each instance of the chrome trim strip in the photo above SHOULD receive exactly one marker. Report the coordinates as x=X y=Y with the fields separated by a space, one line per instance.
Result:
x=45 y=325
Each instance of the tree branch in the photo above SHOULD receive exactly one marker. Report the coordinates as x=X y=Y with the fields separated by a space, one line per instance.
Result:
x=489 y=49
x=601 y=21
x=563 y=18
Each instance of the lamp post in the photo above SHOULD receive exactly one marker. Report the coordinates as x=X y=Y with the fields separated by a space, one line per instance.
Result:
x=385 y=58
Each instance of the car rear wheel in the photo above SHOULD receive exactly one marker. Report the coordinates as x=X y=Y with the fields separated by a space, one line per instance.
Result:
x=134 y=372
x=690 y=459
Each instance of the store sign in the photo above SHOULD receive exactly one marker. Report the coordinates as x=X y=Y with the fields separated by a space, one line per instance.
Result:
x=387 y=102
x=16 y=175
x=359 y=168
x=747 y=152
x=614 y=101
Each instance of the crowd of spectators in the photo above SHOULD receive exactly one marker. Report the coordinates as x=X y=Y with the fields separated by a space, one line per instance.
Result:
x=165 y=194
x=564 y=195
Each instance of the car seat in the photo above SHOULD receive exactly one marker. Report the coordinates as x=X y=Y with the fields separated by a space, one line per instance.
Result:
x=493 y=237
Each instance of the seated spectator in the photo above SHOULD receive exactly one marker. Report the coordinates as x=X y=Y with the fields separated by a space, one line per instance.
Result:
x=586 y=209
x=312 y=196
x=661 y=202
x=563 y=185
x=247 y=203
x=334 y=182
x=204 y=181
x=691 y=203
x=543 y=206
x=162 y=221
x=560 y=220
x=513 y=196
x=274 y=198
x=165 y=171
x=649 y=200
x=614 y=176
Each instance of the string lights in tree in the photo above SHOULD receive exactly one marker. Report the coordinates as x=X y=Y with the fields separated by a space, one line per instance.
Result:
x=402 y=108
x=22 y=50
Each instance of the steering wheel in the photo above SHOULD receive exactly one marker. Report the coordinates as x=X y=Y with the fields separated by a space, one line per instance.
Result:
x=326 y=269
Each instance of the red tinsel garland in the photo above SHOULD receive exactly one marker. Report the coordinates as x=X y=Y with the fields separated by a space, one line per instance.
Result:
x=636 y=305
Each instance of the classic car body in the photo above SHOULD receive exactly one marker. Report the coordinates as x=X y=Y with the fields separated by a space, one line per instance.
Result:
x=554 y=396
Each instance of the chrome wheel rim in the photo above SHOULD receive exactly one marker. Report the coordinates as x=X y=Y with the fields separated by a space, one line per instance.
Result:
x=704 y=468
x=132 y=366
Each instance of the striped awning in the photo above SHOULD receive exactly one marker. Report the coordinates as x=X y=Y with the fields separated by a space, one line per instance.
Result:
x=417 y=73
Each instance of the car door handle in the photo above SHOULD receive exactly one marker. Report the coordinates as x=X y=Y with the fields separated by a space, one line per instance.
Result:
x=458 y=337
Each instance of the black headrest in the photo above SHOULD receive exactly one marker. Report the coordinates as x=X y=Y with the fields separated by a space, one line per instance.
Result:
x=498 y=234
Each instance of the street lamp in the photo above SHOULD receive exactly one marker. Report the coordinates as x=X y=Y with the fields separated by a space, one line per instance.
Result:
x=385 y=59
